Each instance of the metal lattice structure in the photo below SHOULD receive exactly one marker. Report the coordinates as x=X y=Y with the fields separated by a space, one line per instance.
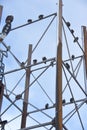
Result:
x=49 y=94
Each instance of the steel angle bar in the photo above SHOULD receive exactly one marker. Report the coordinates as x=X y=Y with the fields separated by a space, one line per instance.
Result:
x=74 y=58
x=11 y=92
x=37 y=126
x=68 y=50
x=75 y=79
x=41 y=110
x=38 y=122
x=14 y=118
x=43 y=33
x=8 y=107
x=73 y=112
x=34 y=21
x=43 y=90
x=73 y=35
x=77 y=101
x=35 y=79
x=25 y=67
x=74 y=100
x=43 y=67
x=13 y=103
x=77 y=68
x=11 y=52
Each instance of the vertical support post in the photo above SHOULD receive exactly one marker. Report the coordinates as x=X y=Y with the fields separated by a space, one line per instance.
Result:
x=26 y=94
x=1 y=69
x=58 y=120
x=1 y=94
x=85 y=56
x=1 y=8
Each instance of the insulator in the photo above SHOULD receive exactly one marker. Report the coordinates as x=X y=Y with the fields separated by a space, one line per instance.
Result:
x=29 y=20
x=52 y=63
x=73 y=57
x=6 y=29
x=9 y=19
x=7 y=95
x=68 y=24
x=40 y=16
x=71 y=100
x=76 y=39
x=8 y=48
x=46 y=106
x=2 y=66
x=1 y=39
x=34 y=61
x=3 y=123
x=86 y=101
x=67 y=66
x=1 y=87
x=44 y=59
x=72 y=31
x=22 y=64
x=18 y=97
x=63 y=101
x=54 y=122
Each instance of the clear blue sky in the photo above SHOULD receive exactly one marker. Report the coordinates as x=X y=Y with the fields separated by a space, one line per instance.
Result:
x=73 y=11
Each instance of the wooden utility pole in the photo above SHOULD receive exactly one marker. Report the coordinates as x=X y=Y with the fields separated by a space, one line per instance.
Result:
x=26 y=94
x=1 y=8
x=85 y=50
x=1 y=84
x=58 y=120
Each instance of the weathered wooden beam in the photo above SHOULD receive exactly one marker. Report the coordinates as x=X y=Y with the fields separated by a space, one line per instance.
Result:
x=85 y=50
x=1 y=9
x=58 y=121
x=26 y=94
